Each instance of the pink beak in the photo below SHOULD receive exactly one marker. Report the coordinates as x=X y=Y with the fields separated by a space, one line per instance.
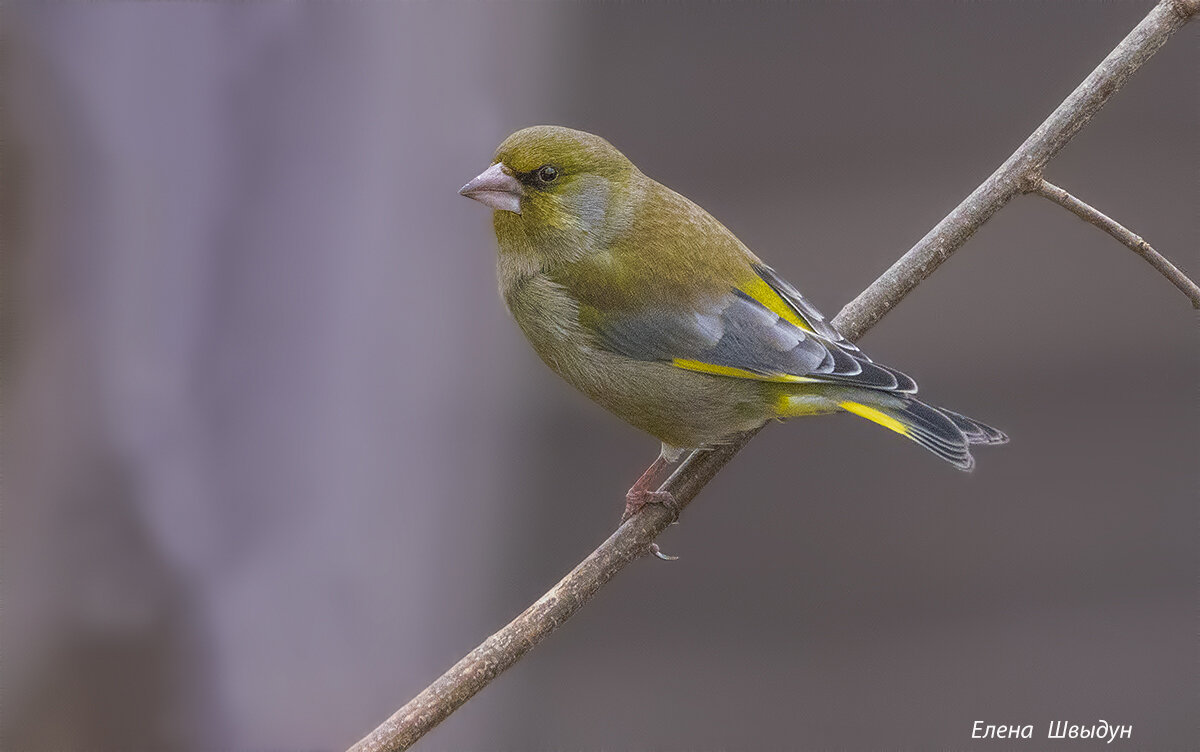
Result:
x=497 y=188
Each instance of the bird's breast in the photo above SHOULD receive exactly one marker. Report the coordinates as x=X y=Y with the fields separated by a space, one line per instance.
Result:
x=549 y=317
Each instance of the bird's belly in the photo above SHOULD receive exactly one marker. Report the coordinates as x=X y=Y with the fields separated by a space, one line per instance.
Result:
x=682 y=408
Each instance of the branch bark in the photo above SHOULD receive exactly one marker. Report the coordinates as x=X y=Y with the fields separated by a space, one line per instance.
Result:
x=632 y=539
x=1135 y=242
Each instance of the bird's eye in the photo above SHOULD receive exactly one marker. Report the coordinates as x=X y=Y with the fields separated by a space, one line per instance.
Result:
x=547 y=173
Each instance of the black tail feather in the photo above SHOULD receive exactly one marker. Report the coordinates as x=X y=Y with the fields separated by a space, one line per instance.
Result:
x=976 y=432
x=947 y=434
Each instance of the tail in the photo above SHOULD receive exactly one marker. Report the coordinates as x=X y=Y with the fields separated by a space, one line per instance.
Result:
x=946 y=434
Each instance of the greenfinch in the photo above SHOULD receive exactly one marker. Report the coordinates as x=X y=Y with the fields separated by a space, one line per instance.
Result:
x=643 y=301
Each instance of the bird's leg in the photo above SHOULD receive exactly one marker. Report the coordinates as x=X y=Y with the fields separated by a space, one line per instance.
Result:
x=643 y=493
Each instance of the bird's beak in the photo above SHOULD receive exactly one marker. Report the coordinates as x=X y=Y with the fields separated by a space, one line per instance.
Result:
x=497 y=188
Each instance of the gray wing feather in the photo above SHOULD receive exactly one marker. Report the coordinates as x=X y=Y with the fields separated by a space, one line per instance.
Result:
x=816 y=320
x=800 y=304
x=741 y=333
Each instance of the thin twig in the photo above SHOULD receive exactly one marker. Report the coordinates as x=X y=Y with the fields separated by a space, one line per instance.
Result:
x=633 y=538
x=1093 y=216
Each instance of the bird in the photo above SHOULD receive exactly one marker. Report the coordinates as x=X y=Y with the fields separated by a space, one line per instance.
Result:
x=651 y=307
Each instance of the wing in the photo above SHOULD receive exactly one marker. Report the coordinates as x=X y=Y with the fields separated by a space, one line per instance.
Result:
x=763 y=329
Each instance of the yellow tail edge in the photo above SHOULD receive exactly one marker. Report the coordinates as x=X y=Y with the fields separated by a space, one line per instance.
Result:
x=875 y=416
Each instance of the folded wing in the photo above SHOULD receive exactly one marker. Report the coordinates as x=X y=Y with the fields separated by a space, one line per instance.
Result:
x=762 y=329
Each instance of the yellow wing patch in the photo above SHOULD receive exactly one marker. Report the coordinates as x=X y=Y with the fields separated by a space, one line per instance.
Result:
x=773 y=302
x=739 y=373
x=875 y=416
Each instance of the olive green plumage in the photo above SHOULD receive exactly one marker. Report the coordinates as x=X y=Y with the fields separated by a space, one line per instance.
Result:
x=651 y=307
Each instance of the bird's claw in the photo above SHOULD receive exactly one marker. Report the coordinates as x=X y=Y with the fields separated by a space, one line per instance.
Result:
x=654 y=549
x=638 y=498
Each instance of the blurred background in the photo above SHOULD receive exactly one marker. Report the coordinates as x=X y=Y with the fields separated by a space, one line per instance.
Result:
x=276 y=456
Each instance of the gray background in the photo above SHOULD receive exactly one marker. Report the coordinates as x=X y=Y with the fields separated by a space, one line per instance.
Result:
x=276 y=456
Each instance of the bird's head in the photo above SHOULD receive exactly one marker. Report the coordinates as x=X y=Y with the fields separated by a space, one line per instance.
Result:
x=552 y=181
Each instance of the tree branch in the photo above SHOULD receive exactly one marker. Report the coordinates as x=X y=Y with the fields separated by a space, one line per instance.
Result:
x=633 y=538
x=1136 y=244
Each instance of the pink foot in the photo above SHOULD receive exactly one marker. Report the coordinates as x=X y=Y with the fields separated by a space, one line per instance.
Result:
x=637 y=498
